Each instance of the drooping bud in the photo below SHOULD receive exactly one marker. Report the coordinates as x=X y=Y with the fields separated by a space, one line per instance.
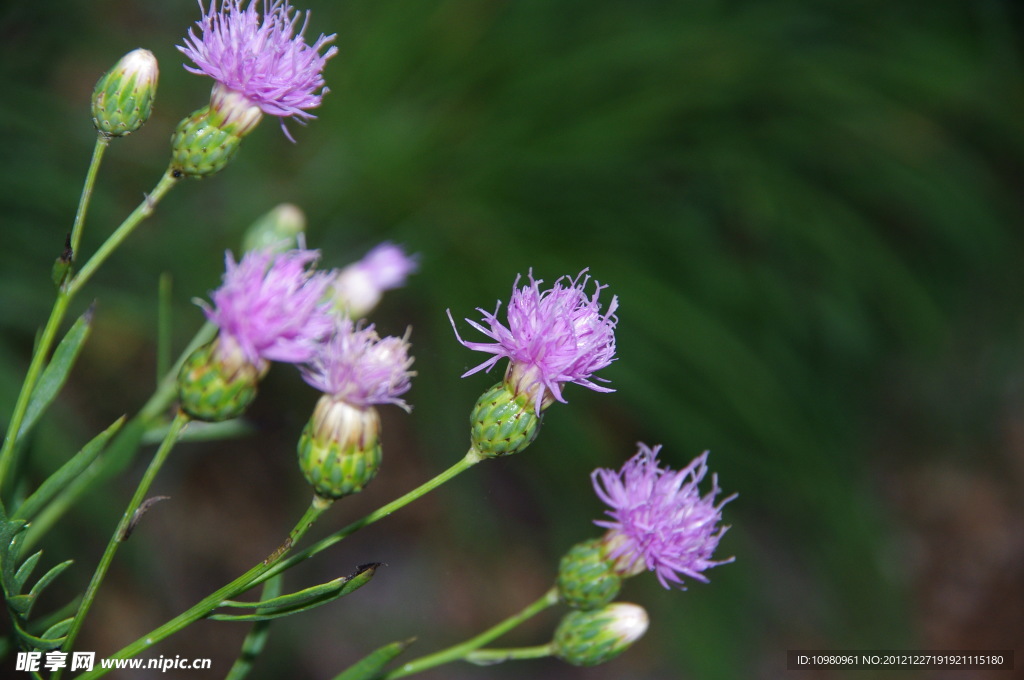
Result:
x=589 y=638
x=503 y=422
x=339 y=449
x=123 y=98
x=275 y=231
x=217 y=382
x=586 y=577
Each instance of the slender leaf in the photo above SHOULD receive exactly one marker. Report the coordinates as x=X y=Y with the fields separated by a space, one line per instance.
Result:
x=56 y=372
x=58 y=630
x=201 y=432
x=371 y=665
x=256 y=639
x=60 y=479
x=43 y=642
x=310 y=598
x=47 y=578
x=25 y=570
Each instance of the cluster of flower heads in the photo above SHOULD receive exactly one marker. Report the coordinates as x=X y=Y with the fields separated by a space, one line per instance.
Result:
x=659 y=519
x=262 y=56
x=270 y=305
x=554 y=336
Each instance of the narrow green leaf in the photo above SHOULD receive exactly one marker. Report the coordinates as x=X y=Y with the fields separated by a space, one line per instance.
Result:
x=163 y=331
x=42 y=642
x=293 y=603
x=58 y=630
x=56 y=372
x=256 y=639
x=25 y=570
x=371 y=665
x=48 y=577
x=59 y=480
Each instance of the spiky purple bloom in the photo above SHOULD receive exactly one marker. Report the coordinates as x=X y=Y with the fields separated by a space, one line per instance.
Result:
x=659 y=519
x=359 y=286
x=357 y=366
x=265 y=58
x=270 y=305
x=553 y=337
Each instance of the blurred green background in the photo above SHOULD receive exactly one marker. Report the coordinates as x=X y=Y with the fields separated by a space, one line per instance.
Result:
x=811 y=214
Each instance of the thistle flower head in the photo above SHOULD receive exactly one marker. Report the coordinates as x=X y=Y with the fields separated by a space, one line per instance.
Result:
x=659 y=519
x=552 y=337
x=357 y=366
x=359 y=286
x=270 y=305
x=264 y=57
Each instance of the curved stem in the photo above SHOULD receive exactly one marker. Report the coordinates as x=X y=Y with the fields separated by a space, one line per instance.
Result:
x=102 y=142
x=469 y=460
x=125 y=526
x=276 y=562
x=144 y=210
x=60 y=306
x=463 y=650
x=212 y=601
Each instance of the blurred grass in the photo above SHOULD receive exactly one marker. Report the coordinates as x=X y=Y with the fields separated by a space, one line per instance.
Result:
x=807 y=212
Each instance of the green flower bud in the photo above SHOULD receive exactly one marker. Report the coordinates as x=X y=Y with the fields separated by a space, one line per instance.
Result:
x=503 y=423
x=276 y=230
x=586 y=578
x=203 y=143
x=217 y=383
x=589 y=638
x=123 y=98
x=339 y=449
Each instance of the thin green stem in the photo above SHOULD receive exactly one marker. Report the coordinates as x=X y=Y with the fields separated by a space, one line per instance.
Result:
x=144 y=210
x=469 y=460
x=276 y=562
x=60 y=307
x=125 y=526
x=486 y=657
x=102 y=142
x=214 y=600
x=463 y=650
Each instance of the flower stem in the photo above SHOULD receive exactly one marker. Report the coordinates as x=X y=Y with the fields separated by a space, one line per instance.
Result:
x=486 y=657
x=212 y=601
x=276 y=562
x=102 y=142
x=125 y=526
x=144 y=210
x=469 y=460
x=64 y=296
x=465 y=649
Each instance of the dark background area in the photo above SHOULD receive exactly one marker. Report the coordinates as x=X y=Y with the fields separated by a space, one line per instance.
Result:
x=811 y=214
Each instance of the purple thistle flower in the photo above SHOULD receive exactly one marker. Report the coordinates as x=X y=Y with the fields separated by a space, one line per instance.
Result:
x=357 y=366
x=660 y=520
x=265 y=58
x=359 y=286
x=553 y=337
x=270 y=306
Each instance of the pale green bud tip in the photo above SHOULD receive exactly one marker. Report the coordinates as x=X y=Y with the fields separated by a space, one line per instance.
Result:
x=123 y=98
x=589 y=638
x=217 y=383
x=276 y=231
x=586 y=577
x=339 y=449
x=503 y=423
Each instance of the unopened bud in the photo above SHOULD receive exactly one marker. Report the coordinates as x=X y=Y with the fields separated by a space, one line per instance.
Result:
x=123 y=98
x=589 y=638
x=586 y=577
x=276 y=231
x=339 y=449
x=217 y=383
x=503 y=423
